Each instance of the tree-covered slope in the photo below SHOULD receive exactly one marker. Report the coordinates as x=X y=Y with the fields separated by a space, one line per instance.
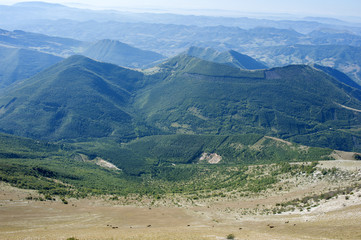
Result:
x=57 y=169
x=201 y=97
x=76 y=98
x=230 y=57
x=153 y=153
x=340 y=76
x=80 y=98
x=151 y=166
x=121 y=54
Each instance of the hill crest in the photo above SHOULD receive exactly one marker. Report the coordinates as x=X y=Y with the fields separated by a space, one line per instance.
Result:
x=230 y=57
x=122 y=54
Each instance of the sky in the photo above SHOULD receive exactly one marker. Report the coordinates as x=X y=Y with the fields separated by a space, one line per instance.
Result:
x=348 y=8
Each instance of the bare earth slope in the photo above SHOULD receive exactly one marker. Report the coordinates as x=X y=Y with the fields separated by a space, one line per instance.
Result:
x=245 y=217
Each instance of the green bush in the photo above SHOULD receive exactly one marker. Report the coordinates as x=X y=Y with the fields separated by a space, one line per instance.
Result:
x=230 y=236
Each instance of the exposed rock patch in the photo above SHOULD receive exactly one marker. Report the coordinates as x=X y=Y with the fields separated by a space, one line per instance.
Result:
x=212 y=158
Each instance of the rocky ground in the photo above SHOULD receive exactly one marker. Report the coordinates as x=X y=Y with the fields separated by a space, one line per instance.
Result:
x=254 y=217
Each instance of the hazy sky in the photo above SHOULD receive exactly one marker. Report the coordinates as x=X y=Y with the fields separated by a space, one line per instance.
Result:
x=303 y=7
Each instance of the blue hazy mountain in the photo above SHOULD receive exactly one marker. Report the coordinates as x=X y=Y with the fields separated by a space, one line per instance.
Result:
x=230 y=57
x=121 y=54
x=18 y=64
x=33 y=41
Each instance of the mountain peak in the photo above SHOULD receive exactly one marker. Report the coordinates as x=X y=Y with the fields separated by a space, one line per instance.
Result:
x=78 y=97
x=230 y=57
x=77 y=59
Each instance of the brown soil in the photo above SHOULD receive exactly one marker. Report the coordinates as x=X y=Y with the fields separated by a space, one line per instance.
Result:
x=338 y=218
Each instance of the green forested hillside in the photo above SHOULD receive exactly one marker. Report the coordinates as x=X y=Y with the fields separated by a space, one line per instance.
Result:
x=231 y=58
x=77 y=98
x=175 y=128
x=152 y=166
x=55 y=169
x=80 y=98
x=340 y=76
x=143 y=155
x=202 y=97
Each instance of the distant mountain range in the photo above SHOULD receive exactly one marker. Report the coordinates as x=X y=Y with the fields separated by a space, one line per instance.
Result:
x=323 y=41
x=33 y=41
x=18 y=64
x=24 y=54
x=79 y=98
x=32 y=12
x=104 y=50
x=342 y=57
x=171 y=39
x=122 y=54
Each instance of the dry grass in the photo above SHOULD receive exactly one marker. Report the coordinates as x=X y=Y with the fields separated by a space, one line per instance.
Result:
x=337 y=218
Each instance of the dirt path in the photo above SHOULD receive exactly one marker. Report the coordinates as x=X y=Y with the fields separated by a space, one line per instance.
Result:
x=349 y=108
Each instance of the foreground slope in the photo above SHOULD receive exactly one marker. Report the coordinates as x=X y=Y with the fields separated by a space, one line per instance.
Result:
x=337 y=217
x=77 y=199
x=76 y=98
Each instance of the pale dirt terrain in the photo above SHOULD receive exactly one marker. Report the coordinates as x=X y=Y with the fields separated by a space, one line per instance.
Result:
x=337 y=218
x=212 y=158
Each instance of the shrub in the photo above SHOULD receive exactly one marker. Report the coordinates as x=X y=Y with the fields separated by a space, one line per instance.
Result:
x=64 y=201
x=230 y=236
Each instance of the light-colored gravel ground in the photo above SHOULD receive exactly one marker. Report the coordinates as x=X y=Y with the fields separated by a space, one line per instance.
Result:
x=337 y=218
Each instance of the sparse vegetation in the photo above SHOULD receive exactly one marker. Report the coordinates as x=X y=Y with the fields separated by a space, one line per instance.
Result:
x=151 y=169
x=64 y=201
x=230 y=236
x=311 y=201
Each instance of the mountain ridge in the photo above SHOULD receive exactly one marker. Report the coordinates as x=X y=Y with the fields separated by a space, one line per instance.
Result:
x=230 y=57
x=18 y=64
x=121 y=54
x=83 y=98
x=76 y=98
